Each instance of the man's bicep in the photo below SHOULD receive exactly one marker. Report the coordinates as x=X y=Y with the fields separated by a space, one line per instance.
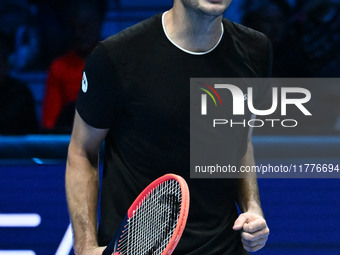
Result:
x=85 y=139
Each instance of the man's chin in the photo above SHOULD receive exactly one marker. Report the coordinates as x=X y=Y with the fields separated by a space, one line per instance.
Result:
x=214 y=12
x=213 y=9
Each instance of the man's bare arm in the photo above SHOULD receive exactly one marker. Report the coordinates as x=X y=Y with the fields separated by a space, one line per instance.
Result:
x=252 y=223
x=249 y=199
x=82 y=185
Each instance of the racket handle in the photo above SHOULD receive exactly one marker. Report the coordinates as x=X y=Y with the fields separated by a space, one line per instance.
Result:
x=110 y=247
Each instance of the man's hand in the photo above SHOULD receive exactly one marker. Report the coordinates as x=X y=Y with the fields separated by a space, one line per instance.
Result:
x=254 y=231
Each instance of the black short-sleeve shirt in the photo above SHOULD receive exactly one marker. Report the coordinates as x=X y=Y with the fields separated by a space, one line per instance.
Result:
x=137 y=84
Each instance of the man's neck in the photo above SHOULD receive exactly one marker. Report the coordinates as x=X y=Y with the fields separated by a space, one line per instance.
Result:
x=192 y=31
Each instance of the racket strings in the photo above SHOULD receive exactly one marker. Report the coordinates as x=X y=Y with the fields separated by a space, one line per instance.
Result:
x=154 y=221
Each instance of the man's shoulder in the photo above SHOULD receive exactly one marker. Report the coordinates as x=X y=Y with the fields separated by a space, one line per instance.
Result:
x=141 y=32
x=243 y=33
x=251 y=46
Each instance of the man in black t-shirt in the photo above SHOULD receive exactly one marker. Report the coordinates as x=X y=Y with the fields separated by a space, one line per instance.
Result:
x=135 y=95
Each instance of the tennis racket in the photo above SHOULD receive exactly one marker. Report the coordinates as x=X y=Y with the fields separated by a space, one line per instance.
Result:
x=155 y=221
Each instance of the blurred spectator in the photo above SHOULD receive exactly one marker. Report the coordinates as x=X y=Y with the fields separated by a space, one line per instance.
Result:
x=317 y=25
x=65 y=73
x=13 y=14
x=305 y=44
x=17 y=24
x=17 y=109
x=271 y=17
x=53 y=25
x=274 y=18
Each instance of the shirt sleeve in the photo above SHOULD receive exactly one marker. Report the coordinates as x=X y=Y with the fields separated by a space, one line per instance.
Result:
x=99 y=97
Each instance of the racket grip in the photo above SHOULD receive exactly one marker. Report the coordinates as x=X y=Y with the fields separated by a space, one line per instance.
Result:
x=110 y=247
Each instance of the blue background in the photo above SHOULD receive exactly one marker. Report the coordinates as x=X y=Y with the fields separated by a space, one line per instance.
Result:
x=303 y=214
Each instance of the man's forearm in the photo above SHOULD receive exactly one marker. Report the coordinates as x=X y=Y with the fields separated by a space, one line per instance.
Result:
x=251 y=223
x=82 y=183
x=248 y=198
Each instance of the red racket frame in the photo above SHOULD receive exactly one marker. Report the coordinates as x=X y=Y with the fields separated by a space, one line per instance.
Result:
x=183 y=214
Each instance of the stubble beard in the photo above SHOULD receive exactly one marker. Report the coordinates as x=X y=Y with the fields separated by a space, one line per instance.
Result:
x=207 y=11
